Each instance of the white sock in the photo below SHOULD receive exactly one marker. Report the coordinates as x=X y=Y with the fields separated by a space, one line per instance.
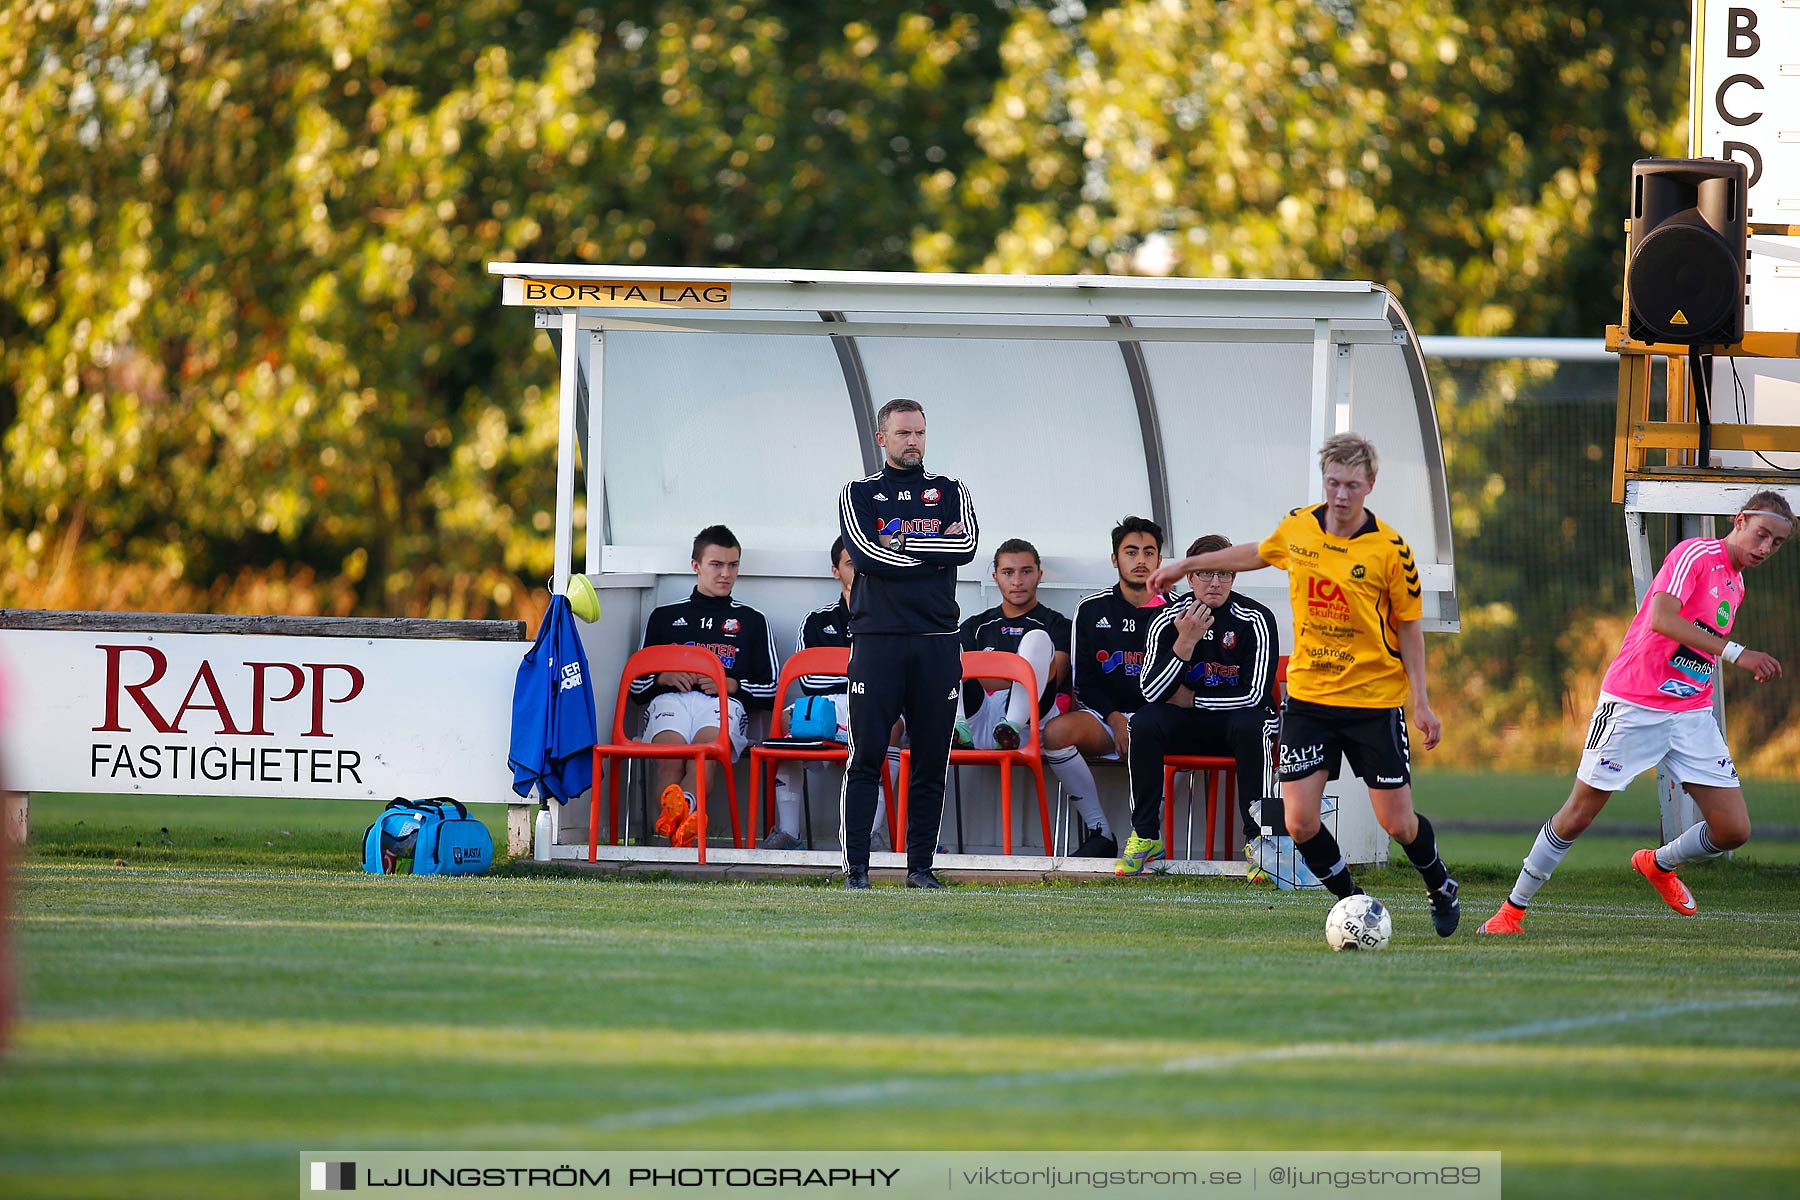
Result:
x=1546 y=855
x=1072 y=772
x=787 y=801
x=1036 y=649
x=1691 y=846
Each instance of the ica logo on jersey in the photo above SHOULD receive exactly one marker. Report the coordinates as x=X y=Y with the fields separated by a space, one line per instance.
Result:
x=1324 y=596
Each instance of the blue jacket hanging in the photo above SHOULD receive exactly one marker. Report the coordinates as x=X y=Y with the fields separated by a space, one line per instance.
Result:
x=553 y=727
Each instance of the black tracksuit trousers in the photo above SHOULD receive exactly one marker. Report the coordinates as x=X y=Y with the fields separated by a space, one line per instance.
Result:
x=918 y=676
x=1161 y=729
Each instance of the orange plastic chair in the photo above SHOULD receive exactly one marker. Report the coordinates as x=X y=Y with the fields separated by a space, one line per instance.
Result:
x=653 y=660
x=1216 y=767
x=815 y=660
x=998 y=664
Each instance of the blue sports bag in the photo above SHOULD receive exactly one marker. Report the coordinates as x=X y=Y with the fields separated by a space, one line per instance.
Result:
x=431 y=837
x=813 y=718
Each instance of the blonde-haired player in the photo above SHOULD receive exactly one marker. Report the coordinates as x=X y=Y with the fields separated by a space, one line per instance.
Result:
x=1358 y=664
x=1656 y=707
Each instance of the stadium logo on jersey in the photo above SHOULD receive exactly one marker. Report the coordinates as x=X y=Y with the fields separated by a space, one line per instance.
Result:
x=1132 y=662
x=932 y=496
x=1610 y=765
x=1679 y=688
x=1103 y=623
x=1228 y=639
x=731 y=625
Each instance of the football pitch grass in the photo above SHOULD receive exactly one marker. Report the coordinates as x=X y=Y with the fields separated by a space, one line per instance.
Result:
x=237 y=993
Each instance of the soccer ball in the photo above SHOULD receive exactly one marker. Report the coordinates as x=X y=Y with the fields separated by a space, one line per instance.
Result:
x=1358 y=923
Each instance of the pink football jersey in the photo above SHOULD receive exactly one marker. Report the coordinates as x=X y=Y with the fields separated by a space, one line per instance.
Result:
x=1659 y=672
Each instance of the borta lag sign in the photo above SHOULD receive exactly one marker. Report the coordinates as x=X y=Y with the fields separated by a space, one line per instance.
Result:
x=142 y=695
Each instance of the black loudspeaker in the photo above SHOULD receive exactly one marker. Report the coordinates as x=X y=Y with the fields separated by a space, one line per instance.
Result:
x=1684 y=275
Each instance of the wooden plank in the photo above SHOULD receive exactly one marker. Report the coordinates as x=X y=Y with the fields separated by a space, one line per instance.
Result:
x=351 y=627
x=1755 y=345
x=1726 y=476
x=1685 y=435
x=1625 y=455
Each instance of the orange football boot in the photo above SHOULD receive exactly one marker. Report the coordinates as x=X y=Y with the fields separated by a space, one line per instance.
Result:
x=1674 y=892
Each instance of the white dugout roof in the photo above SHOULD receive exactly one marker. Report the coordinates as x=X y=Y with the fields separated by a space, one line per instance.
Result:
x=1065 y=403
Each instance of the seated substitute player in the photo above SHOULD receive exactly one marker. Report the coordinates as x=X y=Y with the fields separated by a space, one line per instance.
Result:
x=1656 y=707
x=1110 y=628
x=684 y=707
x=998 y=719
x=1212 y=655
x=1359 y=650
x=995 y=713
x=828 y=625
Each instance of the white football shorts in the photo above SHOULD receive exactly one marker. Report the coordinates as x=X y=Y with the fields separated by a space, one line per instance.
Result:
x=687 y=713
x=1625 y=740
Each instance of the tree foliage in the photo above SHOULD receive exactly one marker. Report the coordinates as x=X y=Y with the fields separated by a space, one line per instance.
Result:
x=244 y=303
x=1471 y=156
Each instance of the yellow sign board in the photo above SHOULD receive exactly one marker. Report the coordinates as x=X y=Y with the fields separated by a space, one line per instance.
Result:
x=614 y=293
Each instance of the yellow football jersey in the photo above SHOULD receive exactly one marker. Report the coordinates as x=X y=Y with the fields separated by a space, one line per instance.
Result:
x=1349 y=596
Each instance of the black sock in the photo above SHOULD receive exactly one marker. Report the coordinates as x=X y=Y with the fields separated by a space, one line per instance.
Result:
x=1422 y=852
x=1326 y=860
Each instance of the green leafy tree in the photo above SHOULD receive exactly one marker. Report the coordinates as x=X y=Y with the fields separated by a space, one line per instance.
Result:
x=1471 y=156
x=244 y=299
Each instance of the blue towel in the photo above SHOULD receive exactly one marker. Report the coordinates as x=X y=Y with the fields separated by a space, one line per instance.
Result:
x=553 y=729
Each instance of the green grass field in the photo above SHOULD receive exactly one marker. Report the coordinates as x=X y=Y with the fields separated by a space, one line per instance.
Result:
x=237 y=992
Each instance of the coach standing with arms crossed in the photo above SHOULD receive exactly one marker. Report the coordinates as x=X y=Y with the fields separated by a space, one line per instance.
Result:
x=907 y=531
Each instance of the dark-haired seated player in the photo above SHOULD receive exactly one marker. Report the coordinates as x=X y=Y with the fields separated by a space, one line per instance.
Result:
x=827 y=625
x=1108 y=649
x=995 y=713
x=684 y=707
x=1213 y=654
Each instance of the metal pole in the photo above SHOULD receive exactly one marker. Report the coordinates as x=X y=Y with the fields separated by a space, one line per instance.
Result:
x=1676 y=808
x=565 y=455
x=591 y=459
x=1322 y=402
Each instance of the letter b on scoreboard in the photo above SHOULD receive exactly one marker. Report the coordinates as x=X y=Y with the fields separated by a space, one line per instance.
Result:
x=1684 y=272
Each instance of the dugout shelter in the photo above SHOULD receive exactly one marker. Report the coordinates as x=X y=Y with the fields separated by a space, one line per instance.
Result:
x=692 y=396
